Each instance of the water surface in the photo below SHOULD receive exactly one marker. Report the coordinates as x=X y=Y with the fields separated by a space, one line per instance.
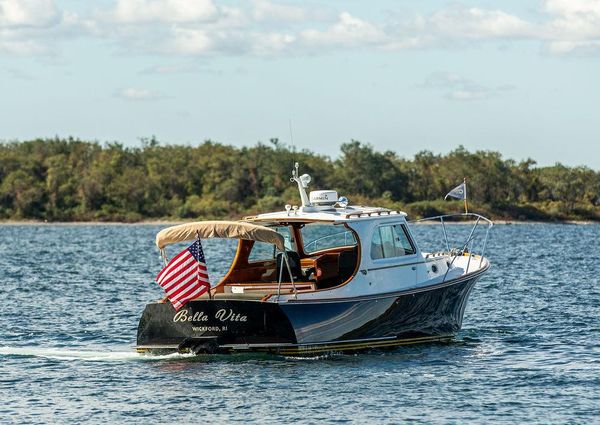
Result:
x=529 y=349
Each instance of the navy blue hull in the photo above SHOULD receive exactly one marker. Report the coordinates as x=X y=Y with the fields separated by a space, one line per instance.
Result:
x=425 y=314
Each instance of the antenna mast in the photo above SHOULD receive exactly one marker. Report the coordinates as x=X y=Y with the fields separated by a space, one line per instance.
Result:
x=293 y=144
x=302 y=181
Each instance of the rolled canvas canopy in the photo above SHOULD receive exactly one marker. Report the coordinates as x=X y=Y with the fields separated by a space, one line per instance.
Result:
x=218 y=229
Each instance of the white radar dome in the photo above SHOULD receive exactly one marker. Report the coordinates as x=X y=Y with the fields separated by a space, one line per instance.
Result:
x=323 y=197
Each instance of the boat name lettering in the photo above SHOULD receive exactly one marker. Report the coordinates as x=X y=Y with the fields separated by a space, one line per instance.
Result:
x=225 y=315
x=184 y=316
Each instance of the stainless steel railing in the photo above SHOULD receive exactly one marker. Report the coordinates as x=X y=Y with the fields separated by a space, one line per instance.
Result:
x=468 y=245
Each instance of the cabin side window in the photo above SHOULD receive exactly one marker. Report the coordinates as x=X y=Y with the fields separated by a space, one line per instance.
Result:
x=391 y=241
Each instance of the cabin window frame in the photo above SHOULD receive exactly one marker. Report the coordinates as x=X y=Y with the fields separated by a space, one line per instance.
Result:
x=377 y=231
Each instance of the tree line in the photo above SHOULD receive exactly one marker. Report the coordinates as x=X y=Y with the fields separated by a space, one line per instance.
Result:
x=74 y=180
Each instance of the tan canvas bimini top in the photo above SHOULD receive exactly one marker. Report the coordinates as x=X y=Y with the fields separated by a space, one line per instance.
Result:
x=218 y=229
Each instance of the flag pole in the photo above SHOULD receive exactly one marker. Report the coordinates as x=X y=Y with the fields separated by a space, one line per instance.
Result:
x=465 y=186
x=198 y=240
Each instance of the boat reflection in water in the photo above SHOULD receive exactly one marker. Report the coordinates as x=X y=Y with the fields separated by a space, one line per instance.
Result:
x=323 y=277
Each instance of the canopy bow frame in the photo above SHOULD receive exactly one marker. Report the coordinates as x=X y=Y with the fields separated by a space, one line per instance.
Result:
x=225 y=230
x=218 y=229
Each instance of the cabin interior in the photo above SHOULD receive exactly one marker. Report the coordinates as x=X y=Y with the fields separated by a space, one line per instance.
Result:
x=321 y=256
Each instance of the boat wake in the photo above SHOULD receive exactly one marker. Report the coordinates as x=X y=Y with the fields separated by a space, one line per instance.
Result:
x=84 y=355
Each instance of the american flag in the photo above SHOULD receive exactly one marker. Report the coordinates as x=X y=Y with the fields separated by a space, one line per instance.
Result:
x=186 y=276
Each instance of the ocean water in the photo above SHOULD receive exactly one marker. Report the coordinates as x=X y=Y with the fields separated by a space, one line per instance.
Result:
x=529 y=349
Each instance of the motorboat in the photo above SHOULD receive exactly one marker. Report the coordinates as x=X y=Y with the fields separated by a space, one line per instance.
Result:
x=324 y=276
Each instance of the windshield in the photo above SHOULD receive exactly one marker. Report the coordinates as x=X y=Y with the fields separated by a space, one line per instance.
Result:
x=262 y=251
x=319 y=236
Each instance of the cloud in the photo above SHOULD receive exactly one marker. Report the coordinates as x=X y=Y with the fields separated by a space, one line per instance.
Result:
x=575 y=25
x=34 y=27
x=273 y=28
x=137 y=94
x=22 y=21
x=271 y=43
x=28 y=13
x=191 y=41
x=168 y=11
x=456 y=87
x=572 y=7
x=453 y=25
x=161 y=27
x=263 y=10
x=473 y=23
x=348 y=31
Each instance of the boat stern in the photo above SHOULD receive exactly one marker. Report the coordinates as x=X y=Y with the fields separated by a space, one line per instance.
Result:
x=212 y=326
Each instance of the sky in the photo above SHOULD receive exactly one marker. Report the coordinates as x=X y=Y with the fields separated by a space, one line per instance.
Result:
x=518 y=77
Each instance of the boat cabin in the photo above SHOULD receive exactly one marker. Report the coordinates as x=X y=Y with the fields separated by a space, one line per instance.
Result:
x=325 y=250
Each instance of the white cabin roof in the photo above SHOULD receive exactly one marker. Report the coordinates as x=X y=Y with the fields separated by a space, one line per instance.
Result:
x=329 y=214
